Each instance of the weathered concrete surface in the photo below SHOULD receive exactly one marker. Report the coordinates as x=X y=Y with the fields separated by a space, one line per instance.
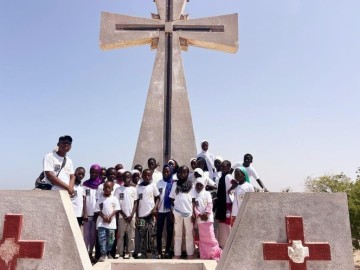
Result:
x=48 y=216
x=151 y=137
x=140 y=31
x=156 y=265
x=261 y=219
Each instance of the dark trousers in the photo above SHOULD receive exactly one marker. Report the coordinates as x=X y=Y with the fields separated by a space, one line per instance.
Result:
x=169 y=231
x=147 y=229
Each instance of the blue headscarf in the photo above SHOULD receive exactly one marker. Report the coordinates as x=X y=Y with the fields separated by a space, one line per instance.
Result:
x=169 y=181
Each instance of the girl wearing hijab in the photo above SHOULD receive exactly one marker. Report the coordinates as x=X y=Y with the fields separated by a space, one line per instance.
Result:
x=208 y=245
x=90 y=188
x=209 y=158
x=242 y=178
x=164 y=212
x=183 y=197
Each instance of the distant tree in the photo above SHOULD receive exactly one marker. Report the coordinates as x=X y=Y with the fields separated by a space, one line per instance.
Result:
x=332 y=183
x=354 y=211
x=286 y=190
x=329 y=183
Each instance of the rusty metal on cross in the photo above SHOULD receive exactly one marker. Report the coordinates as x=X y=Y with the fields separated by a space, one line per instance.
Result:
x=167 y=131
x=296 y=250
x=12 y=248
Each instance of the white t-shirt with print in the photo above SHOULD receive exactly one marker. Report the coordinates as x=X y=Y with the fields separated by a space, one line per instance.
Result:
x=161 y=186
x=156 y=177
x=239 y=195
x=107 y=205
x=126 y=196
x=90 y=200
x=202 y=199
x=77 y=200
x=250 y=170
x=146 y=197
x=183 y=201
x=52 y=163
x=100 y=190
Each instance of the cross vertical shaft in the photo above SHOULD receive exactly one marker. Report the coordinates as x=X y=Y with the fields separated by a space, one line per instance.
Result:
x=168 y=85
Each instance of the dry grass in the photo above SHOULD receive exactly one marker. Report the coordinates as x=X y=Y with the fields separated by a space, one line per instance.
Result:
x=357 y=259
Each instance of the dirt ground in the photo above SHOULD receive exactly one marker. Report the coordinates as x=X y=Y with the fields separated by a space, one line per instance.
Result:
x=357 y=259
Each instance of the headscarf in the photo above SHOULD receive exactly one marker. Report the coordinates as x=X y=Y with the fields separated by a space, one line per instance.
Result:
x=169 y=181
x=221 y=199
x=183 y=186
x=244 y=171
x=176 y=165
x=199 y=171
x=206 y=168
x=209 y=158
x=219 y=158
x=94 y=183
x=201 y=181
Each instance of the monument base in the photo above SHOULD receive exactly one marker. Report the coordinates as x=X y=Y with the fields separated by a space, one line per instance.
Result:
x=156 y=265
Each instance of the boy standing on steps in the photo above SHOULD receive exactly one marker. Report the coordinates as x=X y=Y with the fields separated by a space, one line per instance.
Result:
x=106 y=207
x=127 y=196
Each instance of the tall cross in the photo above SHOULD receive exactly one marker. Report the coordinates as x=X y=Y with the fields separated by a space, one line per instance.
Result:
x=296 y=250
x=167 y=131
x=12 y=248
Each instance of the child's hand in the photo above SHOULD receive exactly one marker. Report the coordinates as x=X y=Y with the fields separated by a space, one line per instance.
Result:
x=154 y=213
x=204 y=217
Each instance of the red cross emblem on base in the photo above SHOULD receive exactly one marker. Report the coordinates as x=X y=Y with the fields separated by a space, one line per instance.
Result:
x=296 y=250
x=12 y=248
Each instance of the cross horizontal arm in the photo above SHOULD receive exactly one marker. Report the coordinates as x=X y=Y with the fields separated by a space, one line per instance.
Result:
x=275 y=251
x=217 y=33
x=113 y=34
x=200 y=28
x=31 y=249
x=319 y=251
x=136 y=27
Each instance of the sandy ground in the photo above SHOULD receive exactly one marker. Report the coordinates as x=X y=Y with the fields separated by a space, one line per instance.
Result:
x=357 y=259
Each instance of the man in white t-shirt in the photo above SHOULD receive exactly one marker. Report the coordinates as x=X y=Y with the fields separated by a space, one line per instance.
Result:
x=58 y=168
x=248 y=159
x=156 y=175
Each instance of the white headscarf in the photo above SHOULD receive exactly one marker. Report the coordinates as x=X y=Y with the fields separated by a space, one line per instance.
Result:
x=209 y=158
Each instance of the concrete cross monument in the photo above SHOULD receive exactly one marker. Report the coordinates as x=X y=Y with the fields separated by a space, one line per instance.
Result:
x=296 y=251
x=166 y=130
x=12 y=248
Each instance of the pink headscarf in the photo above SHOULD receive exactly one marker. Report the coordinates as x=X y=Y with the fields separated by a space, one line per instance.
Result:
x=94 y=183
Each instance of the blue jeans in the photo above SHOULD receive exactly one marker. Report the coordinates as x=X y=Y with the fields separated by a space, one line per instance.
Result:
x=106 y=240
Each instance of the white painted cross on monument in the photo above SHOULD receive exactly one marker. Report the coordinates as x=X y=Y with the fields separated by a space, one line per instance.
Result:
x=166 y=130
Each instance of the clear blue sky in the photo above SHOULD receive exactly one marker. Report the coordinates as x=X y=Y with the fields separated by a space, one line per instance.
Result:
x=290 y=96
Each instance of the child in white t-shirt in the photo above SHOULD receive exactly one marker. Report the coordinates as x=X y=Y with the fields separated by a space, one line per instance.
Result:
x=90 y=188
x=164 y=212
x=148 y=196
x=106 y=207
x=79 y=195
x=241 y=177
x=127 y=196
x=183 y=196
x=208 y=245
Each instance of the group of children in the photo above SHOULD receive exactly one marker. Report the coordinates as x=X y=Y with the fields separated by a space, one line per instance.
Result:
x=125 y=212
